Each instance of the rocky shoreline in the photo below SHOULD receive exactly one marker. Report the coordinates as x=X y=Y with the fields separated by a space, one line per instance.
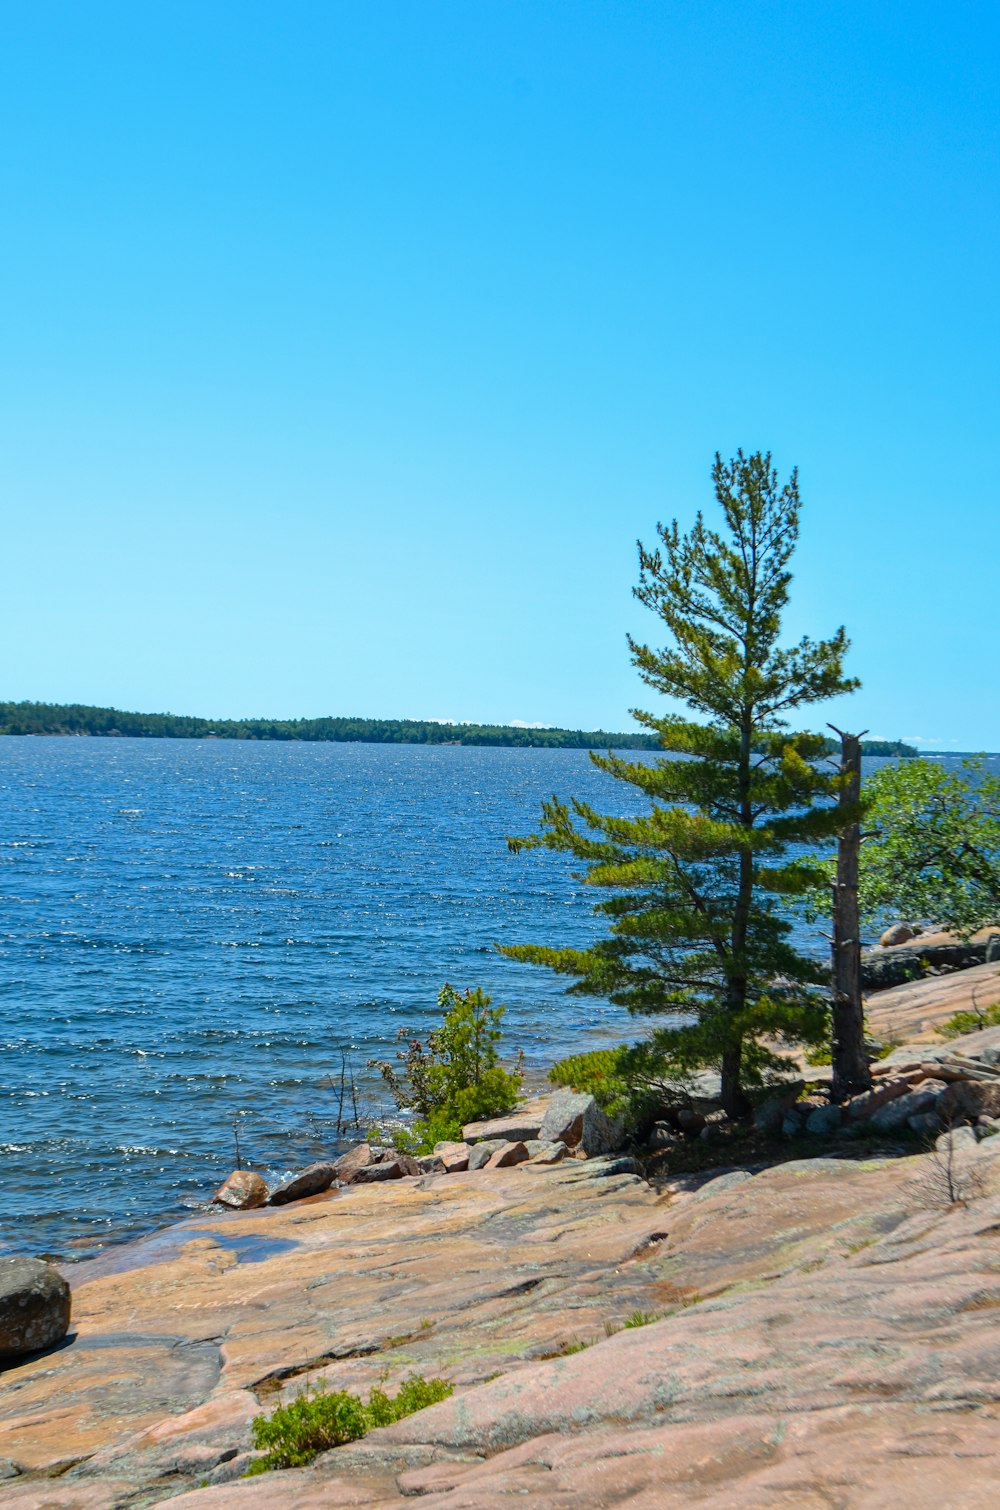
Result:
x=815 y=1330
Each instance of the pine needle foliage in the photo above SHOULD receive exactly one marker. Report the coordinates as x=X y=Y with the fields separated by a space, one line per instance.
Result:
x=695 y=884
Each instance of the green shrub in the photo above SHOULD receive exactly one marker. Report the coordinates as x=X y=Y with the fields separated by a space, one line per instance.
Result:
x=972 y=1021
x=293 y=1434
x=456 y=1077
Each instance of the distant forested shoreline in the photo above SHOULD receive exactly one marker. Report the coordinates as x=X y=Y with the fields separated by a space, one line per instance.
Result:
x=80 y=719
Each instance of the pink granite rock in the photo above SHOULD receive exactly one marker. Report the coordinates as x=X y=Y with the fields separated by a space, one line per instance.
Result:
x=505 y=1157
x=243 y=1191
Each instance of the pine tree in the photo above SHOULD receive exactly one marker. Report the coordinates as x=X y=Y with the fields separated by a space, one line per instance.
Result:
x=698 y=886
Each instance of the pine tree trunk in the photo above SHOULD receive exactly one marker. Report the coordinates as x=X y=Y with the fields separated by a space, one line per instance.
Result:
x=851 y=1074
x=735 y=1101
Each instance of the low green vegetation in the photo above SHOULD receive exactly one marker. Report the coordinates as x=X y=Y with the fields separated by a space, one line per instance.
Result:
x=642 y=1318
x=633 y=1084
x=971 y=1022
x=294 y=1434
x=455 y=1076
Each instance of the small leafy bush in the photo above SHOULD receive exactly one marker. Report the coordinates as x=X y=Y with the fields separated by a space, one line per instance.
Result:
x=971 y=1022
x=456 y=1077
x=293 y=1434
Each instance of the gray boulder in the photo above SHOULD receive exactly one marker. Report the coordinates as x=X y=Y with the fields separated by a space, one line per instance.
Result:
x=970 y=1099
x=312 y=1181
x=550 y=1153
x=822 y=1121
x=896 y=1114
x=956 y=1139
x=770 y=1114
x=519 y=1127
x=481 y=1153
x=578 y=1121
x=927 y=1124
x=34 y=1306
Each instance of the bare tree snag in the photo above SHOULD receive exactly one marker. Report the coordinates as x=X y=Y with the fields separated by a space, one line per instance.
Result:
x=851 y=1073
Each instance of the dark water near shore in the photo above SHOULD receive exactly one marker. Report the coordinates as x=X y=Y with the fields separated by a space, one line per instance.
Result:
x=193 y=930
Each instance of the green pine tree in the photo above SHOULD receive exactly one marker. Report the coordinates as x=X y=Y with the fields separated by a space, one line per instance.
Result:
x=696 y=886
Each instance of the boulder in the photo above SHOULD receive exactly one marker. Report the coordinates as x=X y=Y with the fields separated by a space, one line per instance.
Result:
x=823 y=1121
x=356 y=1158
x=887 y=1088
x=454 y=1156
x=970 y=1099
x=896 y=1114
x=661 y=1136
x=987 y=1127
x=899 y=933
x=392 y=1168
x=243 y=1191
x=770 y=1114
x=794 y=1121
x=431 y=1163
x=481 y=1153
x=956 y=1139
x=551 y=1153
x=688 y=1120
x=312 y=1181
x=578 y=1121
x=992 y=948
x=517 y=1128
x=34 y=1306
x=507 y=1155
x=927 y=1124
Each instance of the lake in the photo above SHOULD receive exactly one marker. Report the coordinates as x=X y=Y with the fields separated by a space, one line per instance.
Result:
x=193 y=931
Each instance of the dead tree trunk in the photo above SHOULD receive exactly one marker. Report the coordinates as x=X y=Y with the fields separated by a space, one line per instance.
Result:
x=851 y=1074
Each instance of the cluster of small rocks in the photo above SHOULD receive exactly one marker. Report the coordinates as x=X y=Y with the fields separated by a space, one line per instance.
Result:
x=568 y=1125
x=943 y=1090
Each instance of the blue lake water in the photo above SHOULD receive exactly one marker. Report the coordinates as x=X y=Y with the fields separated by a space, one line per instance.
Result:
x=192 y=930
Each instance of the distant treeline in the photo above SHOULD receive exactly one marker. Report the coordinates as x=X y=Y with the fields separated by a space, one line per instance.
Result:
x=76 y=718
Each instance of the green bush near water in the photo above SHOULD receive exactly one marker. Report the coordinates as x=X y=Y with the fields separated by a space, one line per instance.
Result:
x=456 y=1076
x=294 y=1434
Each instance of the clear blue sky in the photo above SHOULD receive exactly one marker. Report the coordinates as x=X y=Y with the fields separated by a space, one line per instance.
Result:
x=347 y=348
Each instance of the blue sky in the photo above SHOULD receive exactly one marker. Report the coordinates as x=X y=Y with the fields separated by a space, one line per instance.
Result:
x=349 y=347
